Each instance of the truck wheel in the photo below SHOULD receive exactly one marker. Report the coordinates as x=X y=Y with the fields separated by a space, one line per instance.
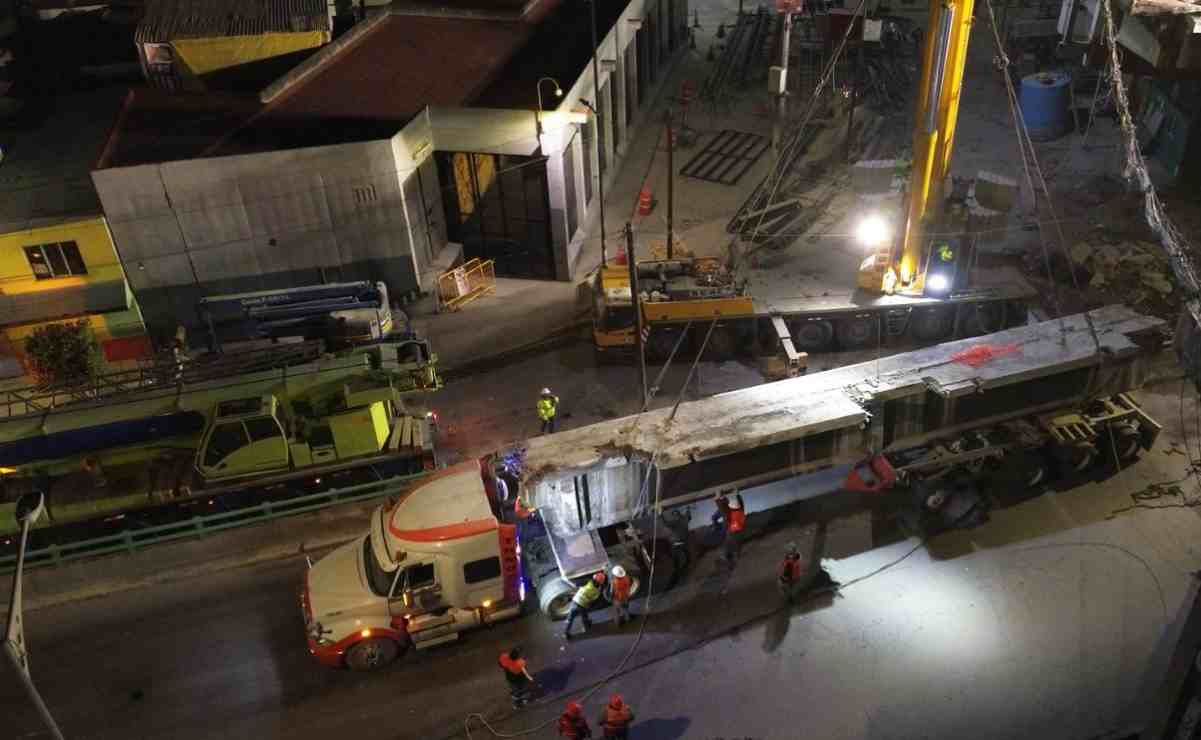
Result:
x=859 y=332
x=1075 y=459
x=811 y=336
x=554 y=598
x=1030 y=468
x=931 y=324
x=1122 y=443
x=723 y=343
x=982 y=318
x=372 y=654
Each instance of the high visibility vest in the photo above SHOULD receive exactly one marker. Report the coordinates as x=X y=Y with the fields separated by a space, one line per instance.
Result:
x=514 y=669
x=621 y=589
x=617 y=719
x=587 y=594
x=547 y=407
x=736 y=520
x=790 y=570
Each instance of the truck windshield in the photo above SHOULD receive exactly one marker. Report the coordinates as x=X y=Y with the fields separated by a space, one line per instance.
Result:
x=378 y=579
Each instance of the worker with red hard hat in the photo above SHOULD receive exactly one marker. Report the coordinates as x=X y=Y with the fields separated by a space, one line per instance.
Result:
x=585 y=596
x=572 y=724
x=616 y=718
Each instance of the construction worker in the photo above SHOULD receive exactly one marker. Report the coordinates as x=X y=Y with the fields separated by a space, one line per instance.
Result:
x=619 y=593
x=788 y=575
x=572 y=724
x=548 y=408
x=517 y=675
x=615 y=719
x=730 y=508
x=583 y=600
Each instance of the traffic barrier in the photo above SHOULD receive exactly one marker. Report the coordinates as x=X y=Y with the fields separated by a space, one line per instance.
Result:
x=461 y=285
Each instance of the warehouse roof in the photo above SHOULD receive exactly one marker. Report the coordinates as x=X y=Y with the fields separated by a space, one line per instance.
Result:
x=157 y=126
x=164 y=20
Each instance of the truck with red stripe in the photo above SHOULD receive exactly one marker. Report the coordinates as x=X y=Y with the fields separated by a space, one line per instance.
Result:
x=935 y=438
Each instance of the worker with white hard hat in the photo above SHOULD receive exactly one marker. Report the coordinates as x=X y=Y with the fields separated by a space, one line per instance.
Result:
x=729 y=506
x=620 y=586
x=548 y=409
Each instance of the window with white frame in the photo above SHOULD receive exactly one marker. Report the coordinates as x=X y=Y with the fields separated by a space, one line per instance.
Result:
x=57 y=260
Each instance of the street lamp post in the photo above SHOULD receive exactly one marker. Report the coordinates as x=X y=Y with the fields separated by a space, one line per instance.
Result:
x=29 y=508
x=538 y=113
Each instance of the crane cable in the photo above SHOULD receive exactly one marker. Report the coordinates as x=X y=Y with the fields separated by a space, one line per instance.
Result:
x=650 y=580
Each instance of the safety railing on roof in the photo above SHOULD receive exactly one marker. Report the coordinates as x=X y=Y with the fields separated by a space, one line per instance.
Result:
x=133 y=540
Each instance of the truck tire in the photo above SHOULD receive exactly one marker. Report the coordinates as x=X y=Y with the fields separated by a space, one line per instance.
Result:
x=1120 y=443
x=982 y=318
x=858 y=332
x=372 y=654
x=554 y=598
x=1075 y=459
x=723 y=343
x=931 y=324
x=811 y=336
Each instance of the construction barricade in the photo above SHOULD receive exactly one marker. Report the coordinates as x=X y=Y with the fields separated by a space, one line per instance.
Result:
x=461 y=285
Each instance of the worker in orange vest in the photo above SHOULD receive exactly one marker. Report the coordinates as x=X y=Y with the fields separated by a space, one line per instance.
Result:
x=572 y=724
x=517 y=675
x=729 y=506
x=616 y=718
x=619 y=593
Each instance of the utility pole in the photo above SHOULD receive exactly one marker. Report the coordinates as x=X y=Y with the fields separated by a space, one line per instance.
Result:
x=29 y=508
x=634 y=302
x=777 y=131
x=671 y=177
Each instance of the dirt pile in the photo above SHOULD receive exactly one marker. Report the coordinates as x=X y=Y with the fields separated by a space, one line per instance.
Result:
x=1136 y=273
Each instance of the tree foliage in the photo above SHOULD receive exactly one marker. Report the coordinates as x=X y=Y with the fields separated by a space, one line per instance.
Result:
x=63 y=354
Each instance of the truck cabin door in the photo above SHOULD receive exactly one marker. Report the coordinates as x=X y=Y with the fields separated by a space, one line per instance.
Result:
x=240 y=447
x=415 y=590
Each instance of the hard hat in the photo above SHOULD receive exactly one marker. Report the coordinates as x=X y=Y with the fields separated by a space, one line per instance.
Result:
x=619 y=572
x=791 y=548
x=735 y=503
x=574 y=708
x=615 y=701
x=599 y=577
x=546 y=391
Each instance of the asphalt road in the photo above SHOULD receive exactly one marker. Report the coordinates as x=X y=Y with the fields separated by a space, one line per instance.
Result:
x=1039 y=624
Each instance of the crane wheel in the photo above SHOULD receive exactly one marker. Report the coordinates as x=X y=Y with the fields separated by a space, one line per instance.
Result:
x=1121 y=443
x=982 y=318
x=723 y=343
x=1075 y=459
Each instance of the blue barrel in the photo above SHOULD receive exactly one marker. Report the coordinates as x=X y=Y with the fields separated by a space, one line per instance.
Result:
x=1046 y=104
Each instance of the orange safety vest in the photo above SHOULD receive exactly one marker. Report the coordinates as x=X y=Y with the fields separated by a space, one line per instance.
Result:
x=790 y=570
x=621 y=589
x=514 y=669
x=616 y=719
x=736 y=520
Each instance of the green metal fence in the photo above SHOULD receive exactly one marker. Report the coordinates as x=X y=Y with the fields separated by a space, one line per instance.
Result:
x=134 y=540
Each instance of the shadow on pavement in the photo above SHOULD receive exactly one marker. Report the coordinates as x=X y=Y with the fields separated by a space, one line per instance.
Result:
x=554 y=679
x=660 y=729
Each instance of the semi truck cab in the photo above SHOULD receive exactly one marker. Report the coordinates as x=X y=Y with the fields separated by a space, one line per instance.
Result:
x=437 y=561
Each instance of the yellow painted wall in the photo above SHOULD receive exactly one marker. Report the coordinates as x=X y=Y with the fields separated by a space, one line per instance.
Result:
x=99 y=256
x=201 y=56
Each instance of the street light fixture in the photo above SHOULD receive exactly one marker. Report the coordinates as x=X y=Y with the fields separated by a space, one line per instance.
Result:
x=29 y=508
x=538 y=114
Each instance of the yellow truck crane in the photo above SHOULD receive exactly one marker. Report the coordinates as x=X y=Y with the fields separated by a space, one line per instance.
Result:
x=305 y=421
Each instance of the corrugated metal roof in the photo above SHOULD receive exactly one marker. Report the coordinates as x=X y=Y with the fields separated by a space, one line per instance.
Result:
x=164 y=20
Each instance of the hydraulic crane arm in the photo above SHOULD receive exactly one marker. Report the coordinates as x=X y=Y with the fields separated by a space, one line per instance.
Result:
x=936 y=110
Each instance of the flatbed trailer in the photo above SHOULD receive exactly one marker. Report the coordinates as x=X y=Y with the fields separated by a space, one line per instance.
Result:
x=755 y=322
x=921 y=431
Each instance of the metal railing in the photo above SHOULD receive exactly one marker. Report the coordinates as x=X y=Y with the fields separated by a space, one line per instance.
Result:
x=131 y=541
x=159 y=372
x=464 y=284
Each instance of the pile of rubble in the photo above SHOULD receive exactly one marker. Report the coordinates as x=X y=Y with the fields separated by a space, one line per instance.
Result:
x=1136 y=273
